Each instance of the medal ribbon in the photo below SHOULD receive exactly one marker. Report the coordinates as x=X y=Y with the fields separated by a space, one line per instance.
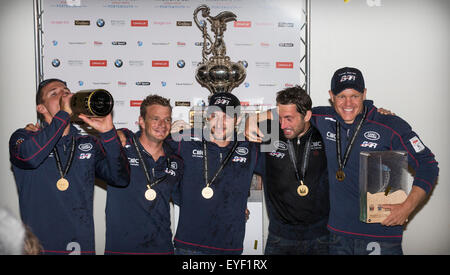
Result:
x=69 y=161
x=343 y=162
x=144 y=167
x=305 y=159
x=222 y=165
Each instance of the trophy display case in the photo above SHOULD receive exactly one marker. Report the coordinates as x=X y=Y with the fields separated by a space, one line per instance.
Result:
x=382 y=180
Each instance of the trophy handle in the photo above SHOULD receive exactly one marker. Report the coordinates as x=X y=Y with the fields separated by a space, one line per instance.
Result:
x=216 y=73
x=206 y=37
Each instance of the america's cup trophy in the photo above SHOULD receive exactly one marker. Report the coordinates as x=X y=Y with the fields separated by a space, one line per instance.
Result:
x=216 y=72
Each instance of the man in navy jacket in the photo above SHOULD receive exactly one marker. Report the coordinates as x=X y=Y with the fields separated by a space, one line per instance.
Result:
x=212 y=204
x=377 y=132
x=138 y=216
x=55 y=169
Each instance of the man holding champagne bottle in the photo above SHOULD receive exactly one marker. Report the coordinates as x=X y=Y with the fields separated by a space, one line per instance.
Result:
x=55 y=168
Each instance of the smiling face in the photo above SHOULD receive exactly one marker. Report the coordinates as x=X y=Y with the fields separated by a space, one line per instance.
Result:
x=348 y=104
x=156 y=124
x=221 y=126
x=292 y=122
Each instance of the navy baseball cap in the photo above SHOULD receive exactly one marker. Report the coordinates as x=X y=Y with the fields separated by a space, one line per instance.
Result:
x=347 y=78
x=43 y=84
x=224 y=100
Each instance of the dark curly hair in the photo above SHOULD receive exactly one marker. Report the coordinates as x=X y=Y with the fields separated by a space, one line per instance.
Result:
x=295 y=95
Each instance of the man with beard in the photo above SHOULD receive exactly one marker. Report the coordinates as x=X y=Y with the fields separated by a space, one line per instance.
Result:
x=216 y=181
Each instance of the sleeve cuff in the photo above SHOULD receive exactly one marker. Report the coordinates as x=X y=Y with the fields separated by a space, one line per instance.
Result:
x=424 y=184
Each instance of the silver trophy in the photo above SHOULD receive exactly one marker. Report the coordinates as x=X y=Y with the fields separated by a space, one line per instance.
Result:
x=217 y=72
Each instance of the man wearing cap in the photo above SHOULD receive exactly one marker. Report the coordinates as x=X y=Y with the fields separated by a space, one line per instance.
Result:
x=55 y=168
x=353 y=125
x=218 y=169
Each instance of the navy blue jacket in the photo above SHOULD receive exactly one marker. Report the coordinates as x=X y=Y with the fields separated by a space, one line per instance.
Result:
x=135 y=225
x=216 y=225
x=63 y=219
x=378 y=133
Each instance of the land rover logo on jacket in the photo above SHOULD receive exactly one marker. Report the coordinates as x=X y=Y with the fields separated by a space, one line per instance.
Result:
x=372 y=135
x=242 y=151
x=280 y=145
x=85 y=147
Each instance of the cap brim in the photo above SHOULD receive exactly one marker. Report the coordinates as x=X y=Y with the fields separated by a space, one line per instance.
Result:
x=341 y=88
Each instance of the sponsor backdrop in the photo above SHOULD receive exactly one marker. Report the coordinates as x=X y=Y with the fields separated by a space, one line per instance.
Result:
x=134 y=48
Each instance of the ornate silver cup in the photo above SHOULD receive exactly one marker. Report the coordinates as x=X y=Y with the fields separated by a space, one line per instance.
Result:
x=216 y=72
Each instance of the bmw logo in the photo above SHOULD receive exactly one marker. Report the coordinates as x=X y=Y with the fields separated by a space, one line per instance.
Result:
x=246 y=84
x=81 y=83
x=163 y=83
x=100 y=23
x=181 y=63
x=54 y=42
x=118 y=63
x=140 y=43
x=56 y=63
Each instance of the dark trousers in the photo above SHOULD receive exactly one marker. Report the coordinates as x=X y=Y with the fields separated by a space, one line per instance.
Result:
x=277 y=245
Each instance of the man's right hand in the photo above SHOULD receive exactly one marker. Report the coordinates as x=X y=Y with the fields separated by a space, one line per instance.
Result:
x=179 y=125
x=252 y=131
x=32 y=127
x=64 y=103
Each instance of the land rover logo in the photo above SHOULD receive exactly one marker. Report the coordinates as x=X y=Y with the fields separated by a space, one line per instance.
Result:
x=280 y=145
x=242 y=151
x=371 y=135
x=85 y=147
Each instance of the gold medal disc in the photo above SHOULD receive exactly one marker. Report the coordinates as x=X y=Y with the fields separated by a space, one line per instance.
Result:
x=302 y=190
x=340 y=175
x=207 y=192
x=62 y=184
x=150 y=194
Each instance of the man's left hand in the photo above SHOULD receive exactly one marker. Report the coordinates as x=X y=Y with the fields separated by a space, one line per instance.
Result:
x=399 y=214
x=101 y=124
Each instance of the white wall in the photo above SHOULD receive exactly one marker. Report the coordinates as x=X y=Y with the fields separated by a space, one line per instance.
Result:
x=17 y=85
x=402 y=47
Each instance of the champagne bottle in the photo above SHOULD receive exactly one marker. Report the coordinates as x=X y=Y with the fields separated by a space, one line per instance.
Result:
x=93 y=103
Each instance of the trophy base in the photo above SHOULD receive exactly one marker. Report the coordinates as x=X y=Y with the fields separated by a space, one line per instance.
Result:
x=374 y=212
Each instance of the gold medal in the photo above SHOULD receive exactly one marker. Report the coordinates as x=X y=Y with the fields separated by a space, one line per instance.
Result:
x=340 y=175
x=150 y=194
x=62 y=184
x=302 y=190
x=207 y=192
